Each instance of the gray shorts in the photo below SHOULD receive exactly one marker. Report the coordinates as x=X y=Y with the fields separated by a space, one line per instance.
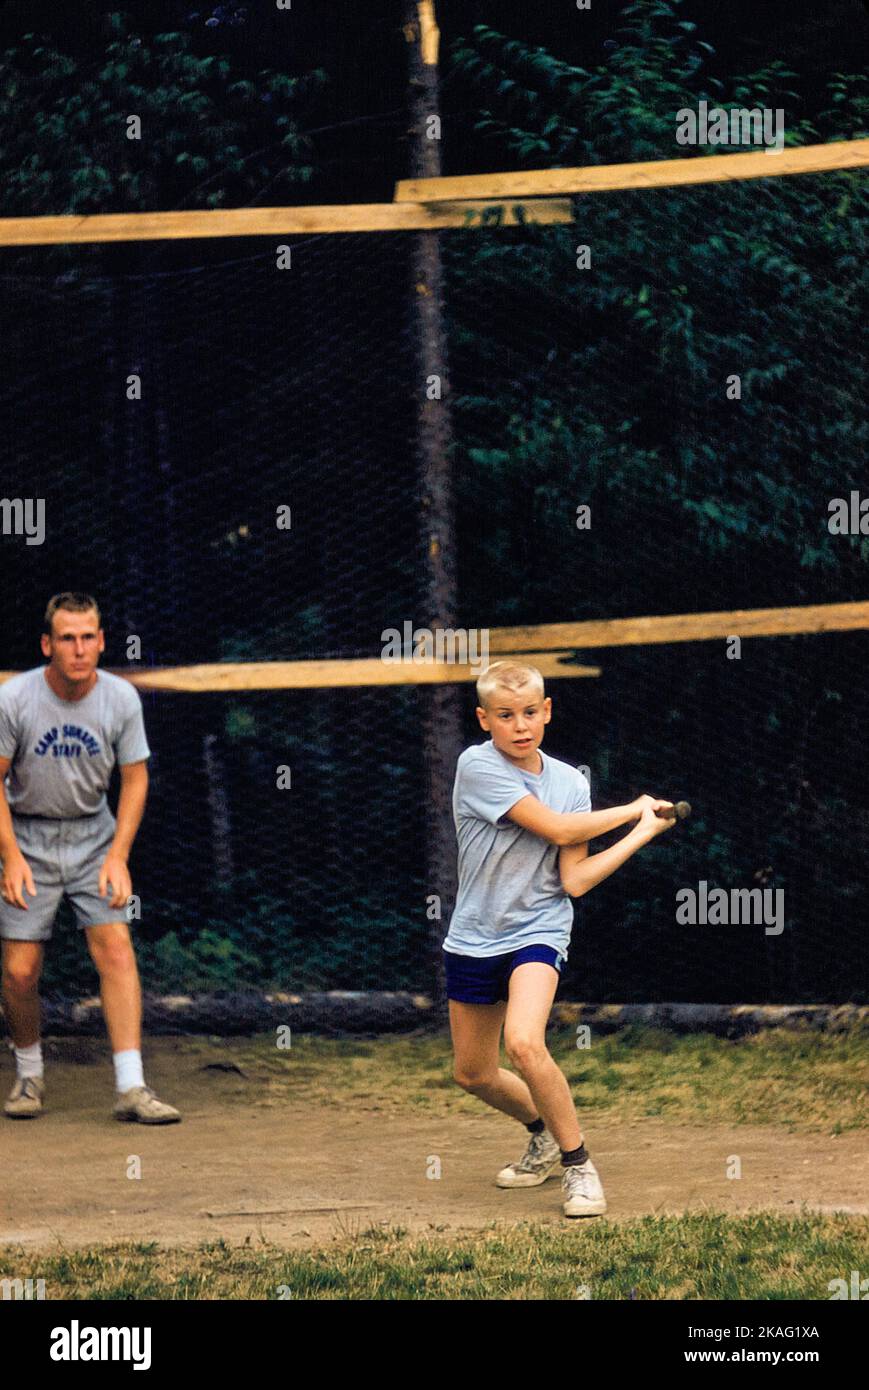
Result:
x=65 y=858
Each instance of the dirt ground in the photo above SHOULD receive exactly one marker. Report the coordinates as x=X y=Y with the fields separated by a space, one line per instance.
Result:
x=301 y=1175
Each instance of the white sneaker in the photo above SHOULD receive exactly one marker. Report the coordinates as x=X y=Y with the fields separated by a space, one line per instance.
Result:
x=583 y=1194
x=140 y=1103
x=25 y=1098
x=537 y=1163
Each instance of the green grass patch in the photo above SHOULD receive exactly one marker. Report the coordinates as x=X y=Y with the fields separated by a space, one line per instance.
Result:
x=758 y=1256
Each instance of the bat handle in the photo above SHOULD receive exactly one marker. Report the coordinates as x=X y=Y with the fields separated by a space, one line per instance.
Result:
x=681 y=810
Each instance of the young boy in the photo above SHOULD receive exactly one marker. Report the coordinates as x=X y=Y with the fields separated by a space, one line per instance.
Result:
x=523 y=822
x=63 y=727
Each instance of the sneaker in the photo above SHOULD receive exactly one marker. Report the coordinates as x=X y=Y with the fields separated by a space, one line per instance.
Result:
x=583 y=1194
x=25 y=1098
x=140 y=1103
x=538 y=1163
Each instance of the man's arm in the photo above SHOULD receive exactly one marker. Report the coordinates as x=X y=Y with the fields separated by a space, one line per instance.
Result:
x=131 y=808
x=580 y=872
x=16 y=870
x=574 y=827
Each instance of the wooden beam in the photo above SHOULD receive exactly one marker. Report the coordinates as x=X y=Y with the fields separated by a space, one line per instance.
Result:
x=326 y=675
x=682 y=627
x=475 y=200
x=430 y=34
x=547 y=646
x=659 y=173
x=322 y=675
x=275 y=222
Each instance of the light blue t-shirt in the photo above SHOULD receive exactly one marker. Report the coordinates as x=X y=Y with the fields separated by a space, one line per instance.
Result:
x=510 y=894
x=62 y=751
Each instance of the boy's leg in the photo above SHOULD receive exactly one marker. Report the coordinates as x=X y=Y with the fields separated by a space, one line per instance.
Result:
x=22 y=966
x=531 y=992
x=476 y=1033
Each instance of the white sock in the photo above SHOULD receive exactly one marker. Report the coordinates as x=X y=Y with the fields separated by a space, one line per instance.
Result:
x=28 y=1060
x=128 y=1070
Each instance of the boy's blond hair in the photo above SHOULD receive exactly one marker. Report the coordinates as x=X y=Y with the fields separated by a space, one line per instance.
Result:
x=507 y=675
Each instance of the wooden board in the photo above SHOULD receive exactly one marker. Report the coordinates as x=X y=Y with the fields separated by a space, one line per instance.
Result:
x=683 y=627
x=546 y=646
x=324 y=675
x=312 y=675
x=659 y=173
x=430 y=34
x=278 y=222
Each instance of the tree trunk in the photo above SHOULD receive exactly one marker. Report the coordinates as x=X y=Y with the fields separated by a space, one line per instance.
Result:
x=441 y=704
x=218 y=811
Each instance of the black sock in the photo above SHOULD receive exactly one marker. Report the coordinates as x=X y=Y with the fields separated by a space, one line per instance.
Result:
x=536 y=1126
x=570 y=1157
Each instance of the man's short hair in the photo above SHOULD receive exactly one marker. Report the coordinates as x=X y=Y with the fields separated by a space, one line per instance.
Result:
x=73 y=603
x=507 y=675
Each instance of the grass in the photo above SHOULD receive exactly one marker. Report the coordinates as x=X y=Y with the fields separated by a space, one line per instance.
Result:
x=800 y=1080
x=700 y=1256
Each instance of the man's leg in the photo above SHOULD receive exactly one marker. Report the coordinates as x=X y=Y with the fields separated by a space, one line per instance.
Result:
x=22 y=967
x=121 y=994
x=531 y=992
x=112 y=953
x=476 y=1032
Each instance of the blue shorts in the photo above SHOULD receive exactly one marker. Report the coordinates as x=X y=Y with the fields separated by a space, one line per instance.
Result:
x=485 y=979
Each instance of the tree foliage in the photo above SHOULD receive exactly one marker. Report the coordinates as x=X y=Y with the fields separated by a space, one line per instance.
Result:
x=210 y=136
x=612 y=379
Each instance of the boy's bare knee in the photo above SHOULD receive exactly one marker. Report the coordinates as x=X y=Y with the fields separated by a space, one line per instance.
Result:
x=473 y=1081
x=526 y=1054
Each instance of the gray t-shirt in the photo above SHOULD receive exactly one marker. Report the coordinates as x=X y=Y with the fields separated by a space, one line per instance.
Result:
x=510 y=894
x=63 y=751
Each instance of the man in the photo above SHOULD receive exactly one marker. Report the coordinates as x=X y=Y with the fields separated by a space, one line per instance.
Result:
x=62 y=729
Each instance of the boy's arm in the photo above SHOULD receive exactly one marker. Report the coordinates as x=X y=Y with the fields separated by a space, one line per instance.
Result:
x=581 y=872
x=574 y=827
